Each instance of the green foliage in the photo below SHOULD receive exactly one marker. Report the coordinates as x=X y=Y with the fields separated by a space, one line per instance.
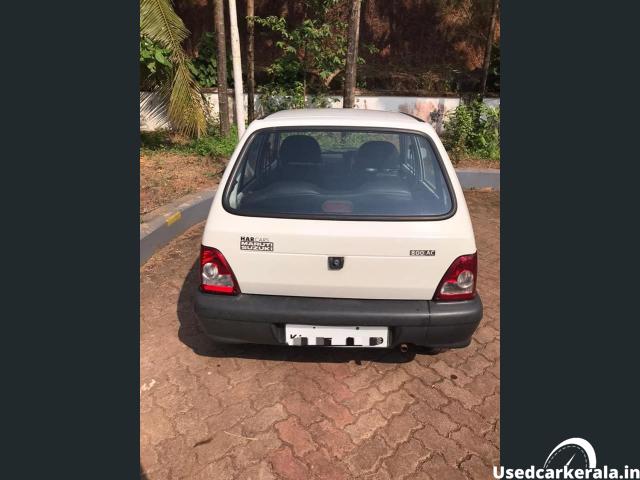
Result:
x=210 y=145
x=312 y=55
x=155 y=66
x=215 y=145
x=473 y=129
x=204 y=66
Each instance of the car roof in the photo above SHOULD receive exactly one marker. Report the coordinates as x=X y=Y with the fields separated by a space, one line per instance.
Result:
x=342 y=116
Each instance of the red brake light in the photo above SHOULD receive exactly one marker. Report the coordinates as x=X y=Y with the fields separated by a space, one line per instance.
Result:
x=216 y=275
x=459 y=283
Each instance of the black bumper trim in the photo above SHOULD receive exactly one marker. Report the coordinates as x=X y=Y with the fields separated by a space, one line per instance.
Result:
x=261 y=318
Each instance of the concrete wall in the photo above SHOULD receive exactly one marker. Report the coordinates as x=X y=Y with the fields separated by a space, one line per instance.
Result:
x=153 y=117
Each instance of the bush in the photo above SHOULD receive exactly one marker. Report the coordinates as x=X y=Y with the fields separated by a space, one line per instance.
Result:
x=204 y=66
x=155 y=67
x=473 y=130
x=214 y=144
x=210 y=145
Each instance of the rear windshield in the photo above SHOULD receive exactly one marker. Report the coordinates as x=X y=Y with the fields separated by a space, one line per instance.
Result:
x=338 y=174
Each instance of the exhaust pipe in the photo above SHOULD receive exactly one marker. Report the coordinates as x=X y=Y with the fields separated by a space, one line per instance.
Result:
x=404 y=348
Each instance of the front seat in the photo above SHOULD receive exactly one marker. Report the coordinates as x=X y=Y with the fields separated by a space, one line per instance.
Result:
x=376 y=156
x=300 y=158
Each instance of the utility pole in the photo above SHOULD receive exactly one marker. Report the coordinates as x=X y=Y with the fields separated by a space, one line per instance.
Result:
x=237 y=67
x=352 y=55
x=223 y=95
x=251 y=83
x=487 y=49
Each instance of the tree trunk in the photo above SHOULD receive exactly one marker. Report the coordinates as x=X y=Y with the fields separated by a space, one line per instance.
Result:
x=352 y=54
x=487 y=49
x=251 y=84
x=237 y=67
x=223 y=96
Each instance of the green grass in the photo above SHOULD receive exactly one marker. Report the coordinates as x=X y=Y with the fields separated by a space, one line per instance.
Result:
x=210 y=145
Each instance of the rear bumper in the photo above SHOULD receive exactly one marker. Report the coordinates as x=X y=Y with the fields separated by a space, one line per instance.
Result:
x=261 y=318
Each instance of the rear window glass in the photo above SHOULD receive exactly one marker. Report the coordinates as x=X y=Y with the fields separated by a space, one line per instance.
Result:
x=338 y=174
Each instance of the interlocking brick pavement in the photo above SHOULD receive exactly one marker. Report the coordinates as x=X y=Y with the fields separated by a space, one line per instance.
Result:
x=255 y=412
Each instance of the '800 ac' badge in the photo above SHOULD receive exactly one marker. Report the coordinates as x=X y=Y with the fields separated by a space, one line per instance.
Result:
x=422 y=253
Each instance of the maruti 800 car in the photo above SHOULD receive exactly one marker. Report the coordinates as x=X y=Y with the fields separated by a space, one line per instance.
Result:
x=339 y=227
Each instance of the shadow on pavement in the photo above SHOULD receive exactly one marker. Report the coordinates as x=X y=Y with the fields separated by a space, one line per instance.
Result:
x=191 y=335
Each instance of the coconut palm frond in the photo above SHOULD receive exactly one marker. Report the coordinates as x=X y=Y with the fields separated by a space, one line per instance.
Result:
x=186 y=108
x=185 y=105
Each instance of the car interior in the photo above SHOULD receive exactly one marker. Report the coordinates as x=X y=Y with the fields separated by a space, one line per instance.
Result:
x=289 y=173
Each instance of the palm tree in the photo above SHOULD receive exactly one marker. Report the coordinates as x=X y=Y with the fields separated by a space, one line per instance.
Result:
x=181 y=95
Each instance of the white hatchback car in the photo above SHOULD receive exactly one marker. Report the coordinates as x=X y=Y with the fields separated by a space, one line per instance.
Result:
x=339 y=227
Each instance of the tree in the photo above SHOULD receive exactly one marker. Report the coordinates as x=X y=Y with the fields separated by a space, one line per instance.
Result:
x=352 y=54
x=312 y=55
x=237 y=67
x=223 y=95
x=180 y=93
x=487 y=50
x=251 y=84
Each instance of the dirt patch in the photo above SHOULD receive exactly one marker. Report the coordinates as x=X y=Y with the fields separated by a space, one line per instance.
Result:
x=477 y=163
x=165 y=177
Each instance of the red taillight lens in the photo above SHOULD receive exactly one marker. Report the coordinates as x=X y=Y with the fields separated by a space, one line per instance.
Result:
x=459 y=283
x=216 y=275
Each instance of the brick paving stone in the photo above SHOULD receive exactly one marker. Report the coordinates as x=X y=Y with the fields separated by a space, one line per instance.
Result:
x=260 y=471
x=365 y=426
x=437 y=467
x=400 y=429
x=490 y=408
x=230 y=416
x=323 y=467
x=476 y=444
x=457 y=376
x=475 y=469
x=433 y=441
x=395 y=403
x=392 y=380
x=335 y=440
x=339 y=414
x=255 y=450
x=306 y=412
x=264 y=419
x=434 y=417
x=422 y=372
x=368 y=456
x=422 y=393
x=464 y=396
x=362 y=378
x=221 y=470
x=213 y=411
x=468 y=418
x=287 y=466
x=406 y=459
x=292 y=432
x=363 y=400
x=219 y=445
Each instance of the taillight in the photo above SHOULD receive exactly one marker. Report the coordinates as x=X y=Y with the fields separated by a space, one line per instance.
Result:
x=459 y=283
x=216 y=275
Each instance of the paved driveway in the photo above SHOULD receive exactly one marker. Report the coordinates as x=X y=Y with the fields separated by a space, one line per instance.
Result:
x=253 y=412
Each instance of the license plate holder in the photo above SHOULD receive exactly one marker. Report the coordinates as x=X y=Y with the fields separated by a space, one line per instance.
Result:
x=336 y=336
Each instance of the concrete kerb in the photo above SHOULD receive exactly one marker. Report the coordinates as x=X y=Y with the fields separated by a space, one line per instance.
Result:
x=166 y=223
x=479 y=178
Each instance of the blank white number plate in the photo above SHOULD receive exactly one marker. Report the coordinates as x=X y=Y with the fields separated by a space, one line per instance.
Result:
x=315 y=335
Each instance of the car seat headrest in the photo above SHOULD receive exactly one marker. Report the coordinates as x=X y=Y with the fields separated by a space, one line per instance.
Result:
x=376 y=155
x=300 y=149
